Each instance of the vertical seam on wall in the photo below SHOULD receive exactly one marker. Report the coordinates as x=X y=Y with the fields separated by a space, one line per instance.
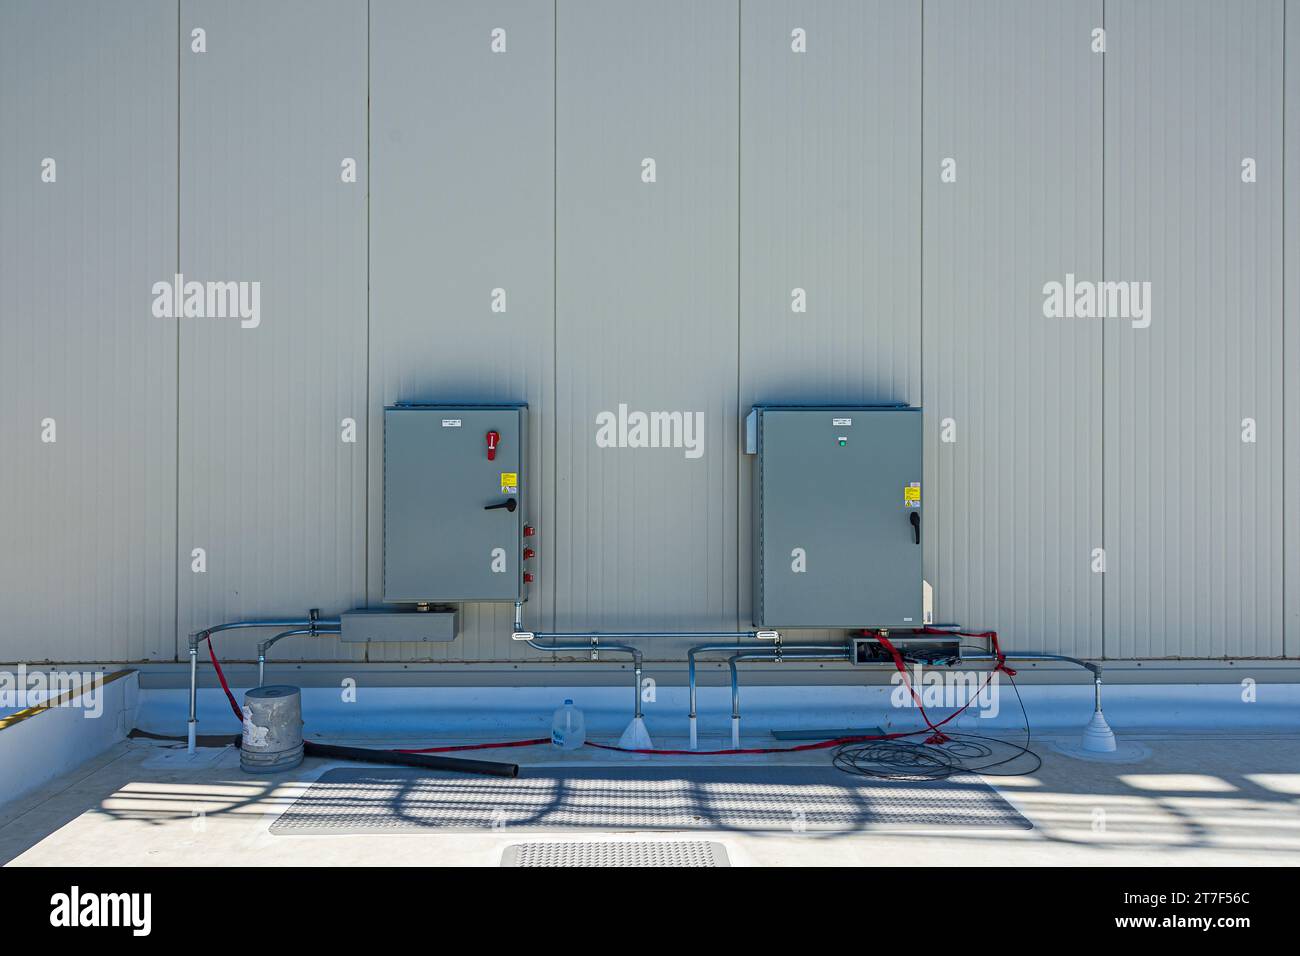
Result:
x=920 y=295
x=176 y=484
x=365 y=547
x=920 y=261
x=1283 y=418
x=555 y=293
x=740 y=119
x=368 y=428
x=1102 y=426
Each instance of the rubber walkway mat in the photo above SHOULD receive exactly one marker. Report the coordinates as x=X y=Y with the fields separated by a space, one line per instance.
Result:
x=668 y=853
x=395 y=800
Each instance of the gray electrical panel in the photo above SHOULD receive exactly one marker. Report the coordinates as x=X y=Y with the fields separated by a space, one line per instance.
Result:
x=453 y=503
x=837 y=516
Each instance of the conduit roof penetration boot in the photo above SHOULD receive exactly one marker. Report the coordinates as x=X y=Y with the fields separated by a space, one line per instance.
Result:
x=636 y=737
x=1097 y=735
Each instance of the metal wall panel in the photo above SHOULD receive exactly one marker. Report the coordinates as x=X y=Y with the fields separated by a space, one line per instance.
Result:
x=462 y=145
x=87 y=523
x=1013 y=94
x=1291 y=333
x=775 y=170
x=646 y=291
x=1192 y=531
x=267 y=485
x=830 y=200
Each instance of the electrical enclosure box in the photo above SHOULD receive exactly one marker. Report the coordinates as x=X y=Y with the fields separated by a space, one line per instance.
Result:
x=837 y=516
x=453 y=506
x=380 y=625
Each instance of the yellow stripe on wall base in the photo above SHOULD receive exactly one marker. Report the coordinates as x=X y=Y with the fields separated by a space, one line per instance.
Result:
x=66 y=697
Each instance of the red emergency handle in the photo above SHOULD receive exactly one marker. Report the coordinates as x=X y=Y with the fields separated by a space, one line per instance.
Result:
x=492 y=439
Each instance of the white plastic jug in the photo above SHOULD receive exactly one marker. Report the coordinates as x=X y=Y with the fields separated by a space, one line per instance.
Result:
x=568 y=728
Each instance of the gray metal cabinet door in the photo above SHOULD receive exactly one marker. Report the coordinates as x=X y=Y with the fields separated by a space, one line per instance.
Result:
x=838 y=544
x=440 y=541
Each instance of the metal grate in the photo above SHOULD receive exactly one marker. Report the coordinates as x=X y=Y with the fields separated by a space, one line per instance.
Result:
x=675 y=853
x=792 y=799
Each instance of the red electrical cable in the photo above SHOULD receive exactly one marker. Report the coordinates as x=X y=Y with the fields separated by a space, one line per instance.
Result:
x=990 y=636
x=216 y=666
x=938 y=736
x=819 y=745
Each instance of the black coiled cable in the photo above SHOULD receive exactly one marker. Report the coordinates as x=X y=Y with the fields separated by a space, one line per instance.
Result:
x=961 y=753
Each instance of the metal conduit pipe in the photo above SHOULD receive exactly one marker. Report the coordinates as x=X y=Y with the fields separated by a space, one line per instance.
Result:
x=625 y=635
x=270 y=642
x=1092 y=666
x=777 y=651
x=771 y=655
x=593 y=644
x=199 y=636
x=617 y=648
x=313 y=624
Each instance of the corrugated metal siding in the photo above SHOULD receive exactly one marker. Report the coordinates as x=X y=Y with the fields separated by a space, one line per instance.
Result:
x=87 y=523
x=267 y=486
x=646 y=277
x=1013 y=94
x=776 y=170
x=463 y=153
x=1192 y=530
x=1291 y=333
x=830 y=202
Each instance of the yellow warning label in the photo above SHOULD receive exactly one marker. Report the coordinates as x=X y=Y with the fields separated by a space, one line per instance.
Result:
x=912 y=495
x=509 y=483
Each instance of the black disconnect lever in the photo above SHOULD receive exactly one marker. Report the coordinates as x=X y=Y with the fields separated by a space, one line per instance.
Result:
x=509 y=504
x=915 y=518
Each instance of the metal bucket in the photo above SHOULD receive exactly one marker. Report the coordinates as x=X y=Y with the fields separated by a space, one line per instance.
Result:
x=272 y=729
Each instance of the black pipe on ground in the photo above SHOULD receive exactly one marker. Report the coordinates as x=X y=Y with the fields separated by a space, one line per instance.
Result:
x=428 y=761
x=364 y=754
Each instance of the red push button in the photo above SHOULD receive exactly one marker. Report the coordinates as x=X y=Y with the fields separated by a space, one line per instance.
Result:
x=529 y=553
